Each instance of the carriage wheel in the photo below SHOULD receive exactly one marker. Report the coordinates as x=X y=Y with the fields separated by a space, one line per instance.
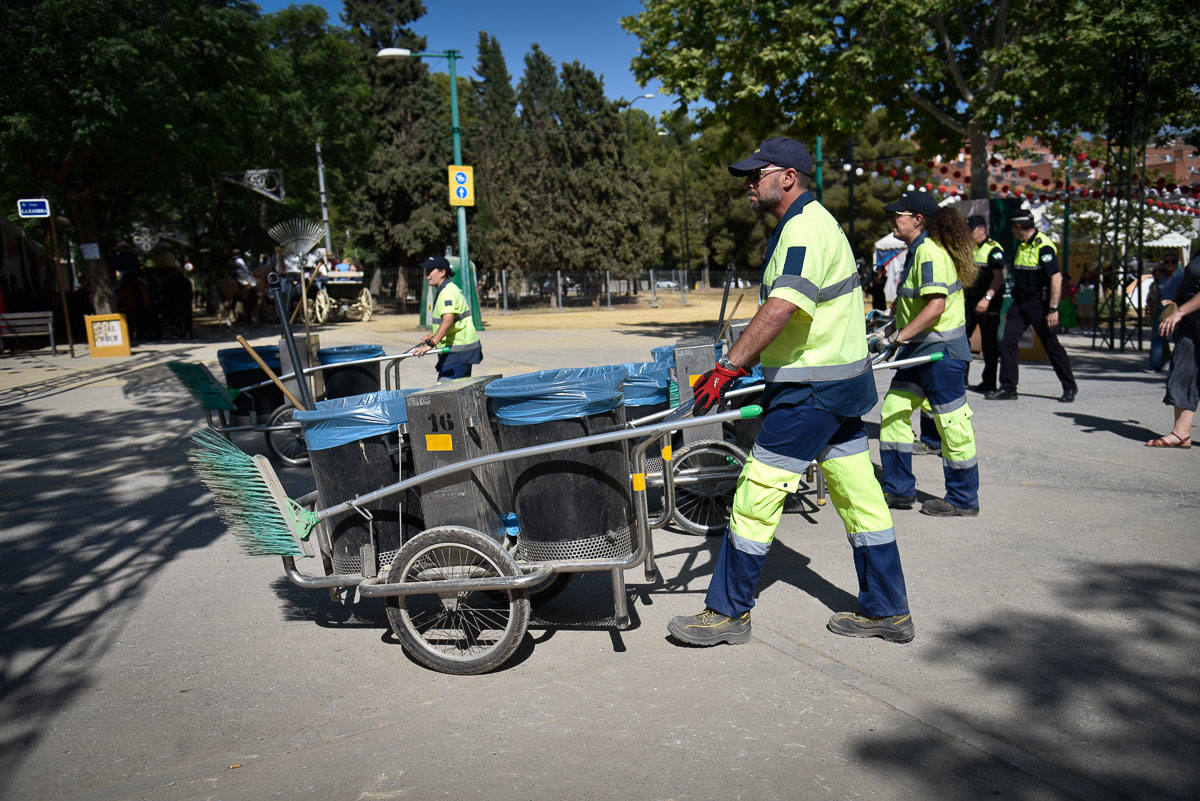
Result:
x=464 y=632
x=287 y=445
x=364 y=305
x=319 y=306
x=705 y=475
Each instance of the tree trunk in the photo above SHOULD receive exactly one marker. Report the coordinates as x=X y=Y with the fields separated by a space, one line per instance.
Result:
x=977 y=139
x=100 y=284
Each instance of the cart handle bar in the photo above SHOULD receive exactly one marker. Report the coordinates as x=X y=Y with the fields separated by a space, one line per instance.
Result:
x=744 y=413
x=738 y=393
x=319 y=367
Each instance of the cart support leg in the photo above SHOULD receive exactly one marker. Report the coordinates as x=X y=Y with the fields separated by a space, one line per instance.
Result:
x=620 y=601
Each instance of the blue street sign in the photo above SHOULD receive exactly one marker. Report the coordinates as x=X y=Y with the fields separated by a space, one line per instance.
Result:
x=33 y=207
x=461 y=192
x=460 y=177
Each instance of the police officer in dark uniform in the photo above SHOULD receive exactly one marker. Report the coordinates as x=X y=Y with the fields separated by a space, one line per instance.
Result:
x=985 y=298
x=1037 y=288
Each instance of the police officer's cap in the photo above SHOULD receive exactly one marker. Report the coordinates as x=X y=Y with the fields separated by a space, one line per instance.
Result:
x=916 y=202
x=778 y=151
x=437 y=263
x=976 y=221
x=1023 y=217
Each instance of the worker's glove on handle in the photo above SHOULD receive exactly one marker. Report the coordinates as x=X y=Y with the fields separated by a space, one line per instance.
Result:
x=711 y=387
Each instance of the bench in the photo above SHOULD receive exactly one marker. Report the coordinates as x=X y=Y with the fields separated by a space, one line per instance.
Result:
x=27 y=324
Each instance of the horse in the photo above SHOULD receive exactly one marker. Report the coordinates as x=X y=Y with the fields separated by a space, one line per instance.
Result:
x=172 y=292
x=133 y=296
x=232 y=293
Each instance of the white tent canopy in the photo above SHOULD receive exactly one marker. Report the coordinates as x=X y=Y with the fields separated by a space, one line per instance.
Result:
x=1172 y=240
x=889 y=250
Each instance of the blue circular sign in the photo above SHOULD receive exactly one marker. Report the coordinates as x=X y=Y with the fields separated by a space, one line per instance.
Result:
x=461 y=192
x=460 y=178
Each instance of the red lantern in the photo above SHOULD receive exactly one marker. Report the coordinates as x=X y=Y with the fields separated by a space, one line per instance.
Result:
x=928 y=187
x=944 y=169
x=953 y=192
x=992 y=187
x=1021 y=173
x=1004 y=189
x=1082 y=157
x=892 y=173
x=929 y=164
x=957 y=174
x=1045 y=182
x=1017 y=192
x=1058 y=184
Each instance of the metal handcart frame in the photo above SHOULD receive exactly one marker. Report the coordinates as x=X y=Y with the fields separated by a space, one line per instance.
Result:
x=283 y=436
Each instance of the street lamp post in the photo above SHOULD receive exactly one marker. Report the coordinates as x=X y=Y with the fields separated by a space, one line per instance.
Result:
x=451 y=57
x=631 y=102
x=687 y=253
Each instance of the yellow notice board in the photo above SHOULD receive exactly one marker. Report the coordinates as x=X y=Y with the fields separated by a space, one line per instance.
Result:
x=108 y=335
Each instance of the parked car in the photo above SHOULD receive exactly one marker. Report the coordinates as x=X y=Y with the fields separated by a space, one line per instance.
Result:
x=667 y=283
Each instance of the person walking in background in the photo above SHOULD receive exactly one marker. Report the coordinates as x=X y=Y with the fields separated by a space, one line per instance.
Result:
x=810 y=336
x=1037 y=288
x=453 y=327
x=931 y=318
x=1181 y=322
x=985 y=298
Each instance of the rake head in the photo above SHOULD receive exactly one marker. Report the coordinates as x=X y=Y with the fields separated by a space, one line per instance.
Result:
x=297 y=236
x=249 y=498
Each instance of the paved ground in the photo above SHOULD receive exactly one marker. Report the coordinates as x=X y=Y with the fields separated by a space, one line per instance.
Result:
x=144 y=657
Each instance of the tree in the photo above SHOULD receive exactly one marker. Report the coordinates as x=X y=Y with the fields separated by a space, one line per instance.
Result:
x=404 y=214
x=116 y=100
x=948 y=72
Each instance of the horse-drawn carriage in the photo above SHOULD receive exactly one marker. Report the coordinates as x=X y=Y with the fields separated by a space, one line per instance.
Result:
x=342 y=297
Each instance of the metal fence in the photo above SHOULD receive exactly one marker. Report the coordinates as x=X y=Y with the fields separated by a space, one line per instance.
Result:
x=560 y=289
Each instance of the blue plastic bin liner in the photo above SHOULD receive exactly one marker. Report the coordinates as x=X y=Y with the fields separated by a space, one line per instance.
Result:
x=648 y=383
x=340 y=421
x=234 y=360
x=664 y=354
x=563 y=394
x=755 y=377
x=348 y=353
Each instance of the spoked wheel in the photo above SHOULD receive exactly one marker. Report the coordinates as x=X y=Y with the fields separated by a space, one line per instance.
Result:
x=319 y=307
x=460 y=632
x=705 y=474
x=286 y=444
x=364 y=305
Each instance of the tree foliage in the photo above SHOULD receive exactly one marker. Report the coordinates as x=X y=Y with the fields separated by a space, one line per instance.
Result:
x=948 y=72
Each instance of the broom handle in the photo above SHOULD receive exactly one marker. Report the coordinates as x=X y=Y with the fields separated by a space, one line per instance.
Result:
x=732 y=312
x=270 y=373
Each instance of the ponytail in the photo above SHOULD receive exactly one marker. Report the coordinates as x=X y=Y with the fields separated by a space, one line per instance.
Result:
x=949 y=230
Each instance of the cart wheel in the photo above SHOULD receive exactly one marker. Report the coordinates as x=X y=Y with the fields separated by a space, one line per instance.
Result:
x=705 y=474
x=464 y=632
x=287 y=444
x=364 y=305
x=321 y=304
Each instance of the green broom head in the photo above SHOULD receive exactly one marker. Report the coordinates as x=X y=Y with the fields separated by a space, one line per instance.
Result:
x=205 y=388
x=249 y=498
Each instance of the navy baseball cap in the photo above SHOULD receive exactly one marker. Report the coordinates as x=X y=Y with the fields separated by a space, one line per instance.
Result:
x=437 y=263
x=976 y=221
x=917 y=202
x=778 y=151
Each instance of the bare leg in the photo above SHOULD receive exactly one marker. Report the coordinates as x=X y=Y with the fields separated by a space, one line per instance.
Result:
x=1183 y=422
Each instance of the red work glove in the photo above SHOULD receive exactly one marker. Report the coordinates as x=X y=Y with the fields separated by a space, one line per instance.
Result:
x=711 y=387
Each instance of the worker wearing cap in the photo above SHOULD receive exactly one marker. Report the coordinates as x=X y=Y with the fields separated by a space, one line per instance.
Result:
x=1037 y=288
x=452 y=325
x=810 y=335
x=930 y=320
x=985 y=298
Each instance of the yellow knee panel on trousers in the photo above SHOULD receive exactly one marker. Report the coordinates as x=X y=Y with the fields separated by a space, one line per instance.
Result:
x=958 y=434
x=758 y=500
x=896 y=421
x=856 y=493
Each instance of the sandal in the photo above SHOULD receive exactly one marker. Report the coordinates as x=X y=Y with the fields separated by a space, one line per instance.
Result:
x=1163 y=442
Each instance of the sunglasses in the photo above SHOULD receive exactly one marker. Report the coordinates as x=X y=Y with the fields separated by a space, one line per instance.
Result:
x=757 y=175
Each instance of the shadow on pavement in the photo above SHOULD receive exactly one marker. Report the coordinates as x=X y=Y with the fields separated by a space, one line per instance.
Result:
x=1102 y=700
x=82 y=544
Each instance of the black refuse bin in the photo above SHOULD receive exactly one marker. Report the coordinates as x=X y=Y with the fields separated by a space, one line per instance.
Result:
x=647 y=388
x=573 y=504
x=241 y=370
x=353 y=379
x=354 y=447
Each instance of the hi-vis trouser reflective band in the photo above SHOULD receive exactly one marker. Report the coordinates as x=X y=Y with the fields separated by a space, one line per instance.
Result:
x=953 y=420
x=758 y=507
